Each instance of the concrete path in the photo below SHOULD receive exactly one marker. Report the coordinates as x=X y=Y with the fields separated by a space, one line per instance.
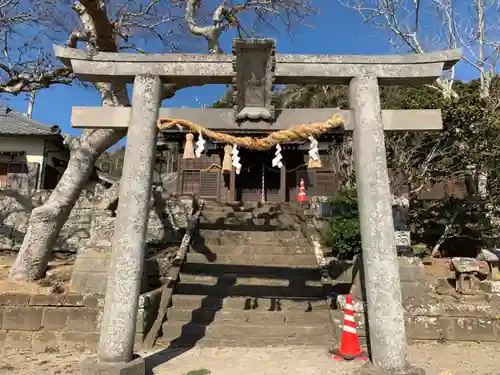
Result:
x=437 y=359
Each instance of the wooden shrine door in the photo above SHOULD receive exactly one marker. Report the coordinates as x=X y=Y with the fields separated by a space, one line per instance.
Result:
x=257 y=181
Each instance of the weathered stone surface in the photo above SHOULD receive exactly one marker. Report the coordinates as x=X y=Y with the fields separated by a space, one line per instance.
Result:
x=17 y=207
x=102 y=228
x=14 y=299
x=78 y=341
x=369 y=369
x=490 y=286
x=3 y=335
x=129 y=241
x=462 y=265
x=93 y=261
x=22 y=318
x=253 y=99
x=43 y=341
x=484 y=269
x=223 y=119
x=94 y=367
x=68 y=300
x=489 y=255
x=84 y=320
x=296 y=69
x=356 y=304
x=466 y=283
x=55 y=319
x=380 y=262
x=434 y=307
x=18 y=339
x=470 y=329
x=87 y=225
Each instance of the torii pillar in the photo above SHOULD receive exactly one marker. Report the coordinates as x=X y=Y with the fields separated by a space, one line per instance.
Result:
x=389 y=353
x=115 y=354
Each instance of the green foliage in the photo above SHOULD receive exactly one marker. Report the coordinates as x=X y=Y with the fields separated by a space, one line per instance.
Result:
x=459 y=226
x=468 y=144
x=202 y=371
x=342 y=233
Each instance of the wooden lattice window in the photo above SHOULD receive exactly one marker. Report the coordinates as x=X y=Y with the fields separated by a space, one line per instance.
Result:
x=190 y=182
x=325 y=183
x=209 y=184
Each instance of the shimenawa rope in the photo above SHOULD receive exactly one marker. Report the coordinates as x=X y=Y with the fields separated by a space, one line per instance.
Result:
x=259 y=144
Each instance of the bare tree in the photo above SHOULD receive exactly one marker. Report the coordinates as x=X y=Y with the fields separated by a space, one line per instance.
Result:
x=111 y=27
x=25 y=31
x=419 y=26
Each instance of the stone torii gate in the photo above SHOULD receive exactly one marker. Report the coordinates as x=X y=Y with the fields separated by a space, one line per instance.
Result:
x=256 y=65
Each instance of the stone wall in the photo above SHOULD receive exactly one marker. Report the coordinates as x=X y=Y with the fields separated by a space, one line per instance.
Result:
x=42 y=322
x=168 y=219
x=430 y=313
x=15 y=210
x=87 y=223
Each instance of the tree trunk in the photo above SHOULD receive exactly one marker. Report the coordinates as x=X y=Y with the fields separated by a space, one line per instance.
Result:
x=46 y=221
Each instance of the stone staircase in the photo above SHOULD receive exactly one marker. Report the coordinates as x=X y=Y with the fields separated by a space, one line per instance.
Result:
x=251 y=279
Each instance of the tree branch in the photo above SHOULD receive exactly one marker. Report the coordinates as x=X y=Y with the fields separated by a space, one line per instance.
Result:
x=212 y=32
x=19 y=82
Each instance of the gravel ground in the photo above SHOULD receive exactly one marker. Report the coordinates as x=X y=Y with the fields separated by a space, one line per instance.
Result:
x=436 y=359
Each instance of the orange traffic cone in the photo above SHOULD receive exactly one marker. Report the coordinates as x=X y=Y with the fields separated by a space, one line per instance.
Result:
x=349 y=344
x=302 y=197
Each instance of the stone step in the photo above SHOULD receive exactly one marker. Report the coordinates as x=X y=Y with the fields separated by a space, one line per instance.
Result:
x=251 y=206
x=234 y=279
x=171 y=340
x=251 y=225
x=242 y=215
x=215 y=214
x=288 y=250
x=257 y=291
x=245 y=270
x=300 y=260
x=190 y=331
x=239 y=304
x=231 y=317
x=256 y=238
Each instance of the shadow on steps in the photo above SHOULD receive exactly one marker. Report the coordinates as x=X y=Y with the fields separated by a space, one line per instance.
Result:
x=190 y=336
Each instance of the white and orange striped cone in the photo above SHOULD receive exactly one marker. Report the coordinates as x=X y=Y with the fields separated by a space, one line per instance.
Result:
x=349 y=343
x=302 y=197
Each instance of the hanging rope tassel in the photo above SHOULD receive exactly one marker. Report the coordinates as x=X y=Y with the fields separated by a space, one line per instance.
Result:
x=189 y=147
x=227 y=162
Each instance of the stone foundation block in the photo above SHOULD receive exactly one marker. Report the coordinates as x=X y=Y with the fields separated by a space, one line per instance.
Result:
x=18 y=339
x=468 y=329
x=490 y=286
x=94 y=367
x=43 y=341
x=22 y=318
x=78 y=341
x=369 y=369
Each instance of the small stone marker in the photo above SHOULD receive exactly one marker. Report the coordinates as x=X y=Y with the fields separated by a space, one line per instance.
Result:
x=492 y=256
x=465 y=270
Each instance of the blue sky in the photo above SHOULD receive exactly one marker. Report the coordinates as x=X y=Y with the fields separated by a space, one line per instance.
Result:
x=336 y=30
